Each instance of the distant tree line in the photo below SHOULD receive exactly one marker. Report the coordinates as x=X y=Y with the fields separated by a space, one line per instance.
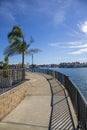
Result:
x=66 y=65
x=72 y=65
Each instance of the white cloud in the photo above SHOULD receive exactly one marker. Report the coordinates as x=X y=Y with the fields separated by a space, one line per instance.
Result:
x=53 y=44
x=78 y=44
x=80 y=51
x=74 y=42
x=71 y=44
x=58 y=44
x=77 y=34
x=81 y=46
x=60 y=12
x=54 y=9
x=80 y=31
x=10 y=9
x=83 y=27
x=7 y=16
x=6 y=11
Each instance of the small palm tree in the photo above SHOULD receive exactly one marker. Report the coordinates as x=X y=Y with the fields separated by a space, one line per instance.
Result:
x=18 y=44
x=5 y=64
x=5 y=67
x=1 y=64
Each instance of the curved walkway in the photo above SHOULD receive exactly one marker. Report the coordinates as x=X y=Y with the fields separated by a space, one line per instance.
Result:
x=33 y=113
x=39 y=110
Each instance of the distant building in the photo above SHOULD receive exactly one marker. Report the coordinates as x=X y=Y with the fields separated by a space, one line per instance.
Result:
x=15 y=66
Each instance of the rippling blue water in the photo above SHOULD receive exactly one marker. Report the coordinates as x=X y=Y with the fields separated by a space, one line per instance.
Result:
x=78 y=76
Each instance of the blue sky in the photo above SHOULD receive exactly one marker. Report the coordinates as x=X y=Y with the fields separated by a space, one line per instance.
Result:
x=59 y=28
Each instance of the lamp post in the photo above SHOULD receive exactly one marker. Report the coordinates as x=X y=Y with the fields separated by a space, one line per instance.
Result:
x=32 y=62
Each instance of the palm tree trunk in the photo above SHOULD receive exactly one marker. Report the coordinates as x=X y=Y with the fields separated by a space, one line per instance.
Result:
x=23 y=71
x=23 y=53
x=23 y=59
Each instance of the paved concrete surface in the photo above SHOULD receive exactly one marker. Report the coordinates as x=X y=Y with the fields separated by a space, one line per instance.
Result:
x=33 y=113
x=63 y=116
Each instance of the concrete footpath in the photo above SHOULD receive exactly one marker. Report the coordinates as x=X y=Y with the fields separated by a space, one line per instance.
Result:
x=33 y=113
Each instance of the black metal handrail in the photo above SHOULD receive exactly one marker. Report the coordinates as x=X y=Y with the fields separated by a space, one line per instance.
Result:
x=78 y=101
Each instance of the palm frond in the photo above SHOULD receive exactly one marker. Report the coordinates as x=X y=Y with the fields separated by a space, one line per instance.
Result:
x=31 y=41
x=12 y=50
x=28 y=52
x=16 y=31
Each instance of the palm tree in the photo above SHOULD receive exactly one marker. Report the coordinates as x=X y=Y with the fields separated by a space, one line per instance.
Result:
x=5 y=67
x=18 y=44
x=5 y=64
x=1 y=63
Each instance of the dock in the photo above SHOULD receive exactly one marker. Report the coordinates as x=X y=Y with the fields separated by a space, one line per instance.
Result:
x=46 y=106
